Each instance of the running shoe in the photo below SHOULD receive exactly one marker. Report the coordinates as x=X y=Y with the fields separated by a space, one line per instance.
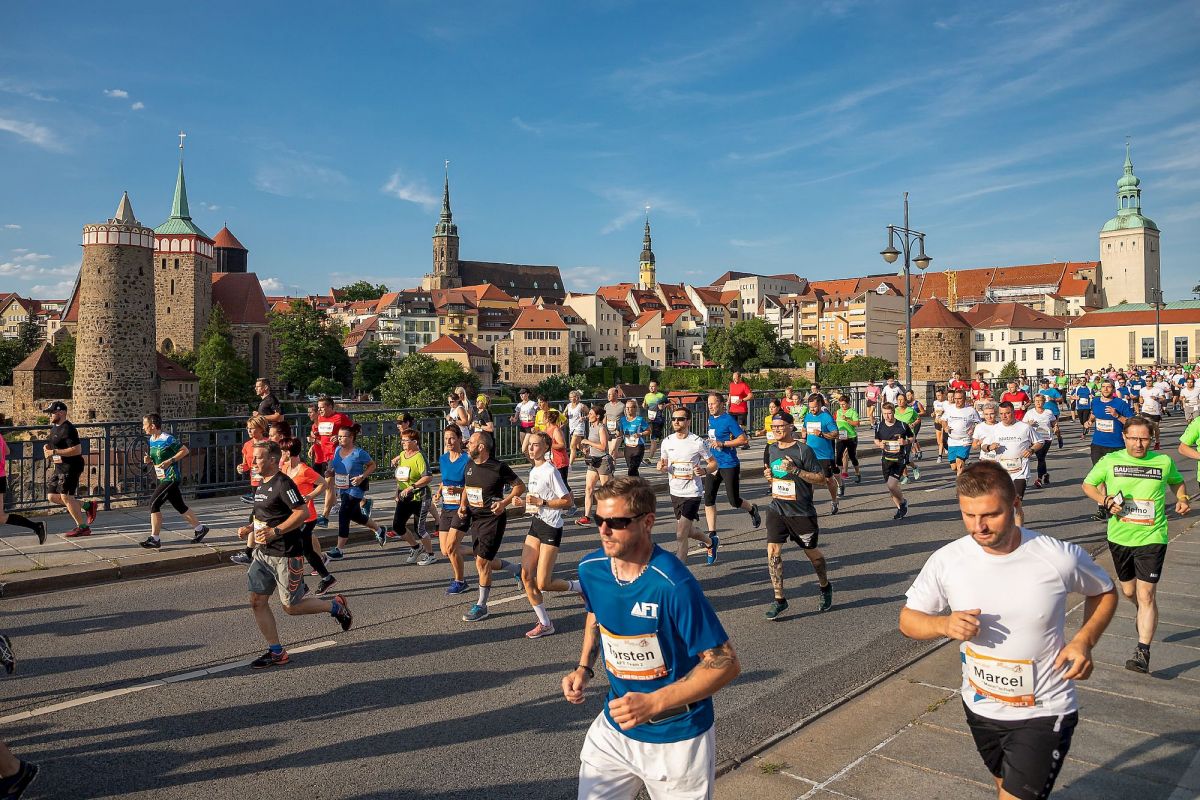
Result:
x=76 y=532
x=1060 y=441
x=476 y=614
x=12 y=787
x=380 y=537
x=939 y=459
x=902 y=510
x=833 y=508
x=7 y=659
x=150 y=543
x=826 y=597
x=904 y=479
x=755 y=516
x=776 y=608
x=344 y=617
x=583 y=521
x=269 y=659
x=40 y=530
x=1037 y=484
x=858 y=477
x=711 y=550
x=391 y=534
x=456 y=587
x=427 y=558
x=91 y=508
x=1140 y=662
x=845 y=475
x=841 y=489
x=248 y=499
x=324 y=584
x=1046 y=479
x=335 y=553
x=916 y=473
x=539 y=630
x=367 y=505
x=322 y=521
x=198 y=536
x=520 y=583
x=240 y=558
x=413 y=554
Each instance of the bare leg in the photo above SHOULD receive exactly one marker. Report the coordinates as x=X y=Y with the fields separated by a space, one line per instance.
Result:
x=260 y=606
x=156 y=524
x=529 y=570
x=9 y=764
x=818 y=562
x=893 y=487
x=546 y=581
x=450 y=541
x=775 y=568
x=1147 y=611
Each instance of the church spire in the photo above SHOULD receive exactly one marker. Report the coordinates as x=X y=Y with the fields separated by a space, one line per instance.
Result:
x=646 y=278
x=124 y=213
x=647 y=253
x=446 y=226
x=179 y=207
x=1129 y=199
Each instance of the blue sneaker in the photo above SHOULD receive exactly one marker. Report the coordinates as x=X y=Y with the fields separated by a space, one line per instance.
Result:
x=456 y=587
x=335 y=554
x=712 y=551
x=476 y=613
x=520 y=583
x=322 y=521
x=367 y=506
x=381 y=537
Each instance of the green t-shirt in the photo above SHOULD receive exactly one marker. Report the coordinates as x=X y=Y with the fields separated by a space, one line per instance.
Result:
x=163 y=446
x=654 y=398
x=908 y=415
x=413 y=468
x=1143 y=481
x=844 y=418
x=1192 y=434
x=1061 y=381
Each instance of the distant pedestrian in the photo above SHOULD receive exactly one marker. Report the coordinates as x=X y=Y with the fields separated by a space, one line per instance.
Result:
x=64 y=449
x=19 y=520
x=268 y=406
x=165 y=454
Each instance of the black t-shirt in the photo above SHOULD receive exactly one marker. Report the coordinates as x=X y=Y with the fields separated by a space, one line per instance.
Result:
x=794 y=500
x=274 y=501
x=482 y=418
x=269 y=405
x=485 y=484
x=897 y=430
x=64 y=437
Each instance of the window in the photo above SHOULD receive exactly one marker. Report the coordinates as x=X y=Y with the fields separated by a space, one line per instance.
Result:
x=1023 y=354
x=1087 y=348
x=1181 y=350
x=979 y=337
x=983 y=355
x=1147 y=347
x=1038 y=353
x=1057 y=353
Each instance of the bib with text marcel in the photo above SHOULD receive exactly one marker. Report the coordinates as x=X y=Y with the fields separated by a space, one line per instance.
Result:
x=1007 y=680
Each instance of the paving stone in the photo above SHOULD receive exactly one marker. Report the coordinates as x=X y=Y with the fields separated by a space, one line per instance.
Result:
x=751 y=781
x=1124 y=683
x=880 y=779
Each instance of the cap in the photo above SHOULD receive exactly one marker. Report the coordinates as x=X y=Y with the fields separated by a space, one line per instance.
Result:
x=404 y=417
x=784 y=416
x=57 y=405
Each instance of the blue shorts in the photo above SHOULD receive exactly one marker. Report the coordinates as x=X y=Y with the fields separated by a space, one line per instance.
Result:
x=958 y=454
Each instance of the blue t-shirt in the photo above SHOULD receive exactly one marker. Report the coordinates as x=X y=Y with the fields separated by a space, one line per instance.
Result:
x=1052 y=397
x=349 y=466
x=652 y=634
x=633 y=427
x=1112 y=437
x=724 y=429
x=822 y=448
x=1136 y=385
x=1083 y=397
x=453 y=473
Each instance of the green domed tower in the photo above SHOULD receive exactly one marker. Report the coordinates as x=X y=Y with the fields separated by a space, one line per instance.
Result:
x=1129 y=246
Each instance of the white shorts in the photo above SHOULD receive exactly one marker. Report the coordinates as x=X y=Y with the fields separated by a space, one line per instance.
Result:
x=612 y=766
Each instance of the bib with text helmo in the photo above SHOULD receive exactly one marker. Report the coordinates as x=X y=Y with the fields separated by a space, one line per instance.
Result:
x=1137 y=511
x=1007 y=680
x=633 y=658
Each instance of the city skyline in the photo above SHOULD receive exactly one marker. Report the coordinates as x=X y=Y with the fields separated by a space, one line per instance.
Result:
x=764 y=140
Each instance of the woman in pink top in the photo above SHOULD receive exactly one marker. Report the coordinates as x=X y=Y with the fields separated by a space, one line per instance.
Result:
x=39 y=527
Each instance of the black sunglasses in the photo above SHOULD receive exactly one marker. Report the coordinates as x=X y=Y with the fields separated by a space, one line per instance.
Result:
x=617 y=523
x=679 y=419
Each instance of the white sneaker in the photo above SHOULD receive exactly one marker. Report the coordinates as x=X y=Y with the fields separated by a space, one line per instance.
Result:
x=413 y=554
x=426 y=559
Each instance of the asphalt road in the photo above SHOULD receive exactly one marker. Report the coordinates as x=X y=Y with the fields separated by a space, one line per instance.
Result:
x=413 y=702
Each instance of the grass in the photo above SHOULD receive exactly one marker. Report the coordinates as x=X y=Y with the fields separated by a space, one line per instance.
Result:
x=771 y=767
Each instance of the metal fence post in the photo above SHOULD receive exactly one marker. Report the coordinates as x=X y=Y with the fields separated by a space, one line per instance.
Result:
x=107 y=467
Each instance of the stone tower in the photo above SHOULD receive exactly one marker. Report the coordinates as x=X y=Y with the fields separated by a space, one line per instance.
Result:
x=445 y=273
x=941 y=343
x=646 y=267
x=1129 y=257
x=183 y=267
x=116 y=372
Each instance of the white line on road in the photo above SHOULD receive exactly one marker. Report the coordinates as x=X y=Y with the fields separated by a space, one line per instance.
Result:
x=185 y=676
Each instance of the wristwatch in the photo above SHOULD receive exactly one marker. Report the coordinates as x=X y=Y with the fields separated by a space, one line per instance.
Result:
x=591 y=673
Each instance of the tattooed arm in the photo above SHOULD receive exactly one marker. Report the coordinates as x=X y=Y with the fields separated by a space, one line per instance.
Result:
x=717 y=667
x=574 y=681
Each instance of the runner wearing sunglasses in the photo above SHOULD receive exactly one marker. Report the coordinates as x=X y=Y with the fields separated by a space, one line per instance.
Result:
x=686 y=460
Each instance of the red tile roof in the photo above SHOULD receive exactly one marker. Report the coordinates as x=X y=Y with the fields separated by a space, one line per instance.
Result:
x=935 y=315
x=671 y=317
x=1009 y=315
x=1109 y=319
x=644 y=318
x=539 y=319
x=453 y=344
x=225 y=238
x=489 y=291
x=168 y=370
x=240 y=296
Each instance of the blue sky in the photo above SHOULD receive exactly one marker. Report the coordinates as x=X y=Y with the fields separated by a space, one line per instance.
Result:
x=766 y=137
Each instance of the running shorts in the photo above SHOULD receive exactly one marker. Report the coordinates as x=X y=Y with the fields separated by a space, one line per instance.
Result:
x=319 y=467
x=828 y=468
x=65 y=481
x=958 y=453
x=448 y=518
x=801 y=530
x=279 y=574
x=1144 y=562
x=487 y=533
x=545 y=533
x=893 y=469
x=731 y=477
x=602 y=465
x=614 y=765
x=1019 y=484
x=1084 y=415
x=168 y=492
x=1098 y=451
x=3 y=484
x=686 y=507
x=1025 y=754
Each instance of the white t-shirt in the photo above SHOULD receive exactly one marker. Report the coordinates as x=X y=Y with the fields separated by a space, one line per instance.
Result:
x=1152 y=398
x=545 y=482
x=682 y=457
x=1022 y=597
x=939 y=408
x=527 y=411
x=983 y=434
x=1164 y=387
x=1191 y=397
x=1014 y=440
x=1041 y=422
x=891 y=393
x=576 y=419
x=960 y=421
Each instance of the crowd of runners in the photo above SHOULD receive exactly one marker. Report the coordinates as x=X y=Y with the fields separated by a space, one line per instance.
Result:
x=667 y=656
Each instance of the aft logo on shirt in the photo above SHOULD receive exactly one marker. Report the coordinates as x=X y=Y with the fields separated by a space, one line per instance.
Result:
x=645 y=610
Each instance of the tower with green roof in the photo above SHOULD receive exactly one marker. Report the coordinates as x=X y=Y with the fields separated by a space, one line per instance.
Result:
x=1129 y=246
x=183 y=269
x=446 y=274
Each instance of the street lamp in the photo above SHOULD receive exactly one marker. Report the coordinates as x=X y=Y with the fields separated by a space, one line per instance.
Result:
x=1156 y=294
x=908 y=237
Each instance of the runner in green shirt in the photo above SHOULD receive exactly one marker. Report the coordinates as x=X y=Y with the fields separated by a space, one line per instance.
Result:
x=657 y=411
x=847 y=442
x=1131 y=485
x=908 y=415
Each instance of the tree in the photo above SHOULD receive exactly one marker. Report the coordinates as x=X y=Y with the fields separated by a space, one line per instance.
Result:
x=64 y=354
x=421 y=380
x=373 y=364
x=856 y=370
x=577 y=361
x=184 y=358
x=225 y=378
x=559 y=387
x=11 y=354
x=751 y=344
x=802 y=353
x=310 y=346
x=324 y=386
x=834 y=354
x=1011 y=370
x=30 y=336
x=362 y=290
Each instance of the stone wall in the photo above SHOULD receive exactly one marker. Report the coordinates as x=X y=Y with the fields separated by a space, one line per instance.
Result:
x=265 y=365
x=178 y=399
x=183 y=299
x=936 y=353
x=530 y=369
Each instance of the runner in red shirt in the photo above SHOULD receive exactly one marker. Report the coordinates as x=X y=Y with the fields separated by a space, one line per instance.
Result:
x=1018 y=398
x=980 y=390
x=310 y=485
x=739 y=395
x=327 y=421
x=957 y=383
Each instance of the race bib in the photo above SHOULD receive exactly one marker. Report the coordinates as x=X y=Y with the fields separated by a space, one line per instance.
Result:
x=1008 y=680
x=1013 y=464
x=1137 y=512
x=56 y=458
x=255 y=476
x=783 y=490
x=402 y=473
x=770 y=436
x=530 y=508
x=1018 y=405
x=712 y=434
x=633 y=658
x=734 y=399
x=612 y=426
x=325 y=428
x=842 y=435
x=341 y=480
x=526 y=416
x=1104 y=425
x=452 y=495
x=632 y=440
x=812 y=428
x=892 y=446
x=475 y=496
x=651 y=414
x=160 y=473
x=684 y=470
x=259 y=533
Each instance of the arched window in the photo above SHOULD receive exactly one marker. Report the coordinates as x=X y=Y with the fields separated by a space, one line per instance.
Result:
x=168 y=346
x=255 y=354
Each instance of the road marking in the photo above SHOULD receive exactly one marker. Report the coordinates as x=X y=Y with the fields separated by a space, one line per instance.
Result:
x=185 y=676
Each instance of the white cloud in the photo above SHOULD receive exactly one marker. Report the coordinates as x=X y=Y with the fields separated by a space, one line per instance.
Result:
x=25 y=270
x=31 y=132
x=633 y=202
x=527 y=127
x=138 y=106
x=276 y=286
x=119 y=94
x=758 y=242
x=296 y=176
x=209 y=206
x=12 y=227
x=10 y=86
x=27 y=257
x=409 y=191
x=585 y=279
x=53 y=290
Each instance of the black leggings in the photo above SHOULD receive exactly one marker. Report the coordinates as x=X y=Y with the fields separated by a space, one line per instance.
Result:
x=168 y=493
x=634 y=456
x=1041 y=460
x=847 y=447
x=416 y=510
x=351 y=511
x=315 y=561
x=732 y=478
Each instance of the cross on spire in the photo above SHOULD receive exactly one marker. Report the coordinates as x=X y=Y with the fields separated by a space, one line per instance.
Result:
x=182 y=136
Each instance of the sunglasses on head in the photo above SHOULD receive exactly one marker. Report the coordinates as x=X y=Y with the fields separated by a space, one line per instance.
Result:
x=616 y=523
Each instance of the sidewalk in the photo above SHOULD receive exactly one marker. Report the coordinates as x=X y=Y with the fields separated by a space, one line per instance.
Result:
x=906 y=736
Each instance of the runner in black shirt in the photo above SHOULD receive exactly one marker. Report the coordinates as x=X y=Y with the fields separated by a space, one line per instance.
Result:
x=269 y=407
x=481 y=513
x=278 y=561
x=893 y=438
x=64 y=450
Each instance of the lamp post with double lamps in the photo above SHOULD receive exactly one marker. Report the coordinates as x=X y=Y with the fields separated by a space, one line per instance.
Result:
x=908 y=237
x=1157 y=300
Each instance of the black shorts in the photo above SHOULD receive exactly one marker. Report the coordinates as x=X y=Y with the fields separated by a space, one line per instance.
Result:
x=544 y=533
x=1155 y=418
x=1019 y=484
x=319 y=467
x=828 y=468
x=167 y=492
x=66 y=480
x=893 y=469
x=602 y=465
x=732 y=478
x=3 y=485
x=1084 y=414
x=686 y=507
x=740 y=419
x=448 y=518
x=1144 y=563
x=1098 y=452
x=487 y=533
x=1025 y=754
x=801 y=530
